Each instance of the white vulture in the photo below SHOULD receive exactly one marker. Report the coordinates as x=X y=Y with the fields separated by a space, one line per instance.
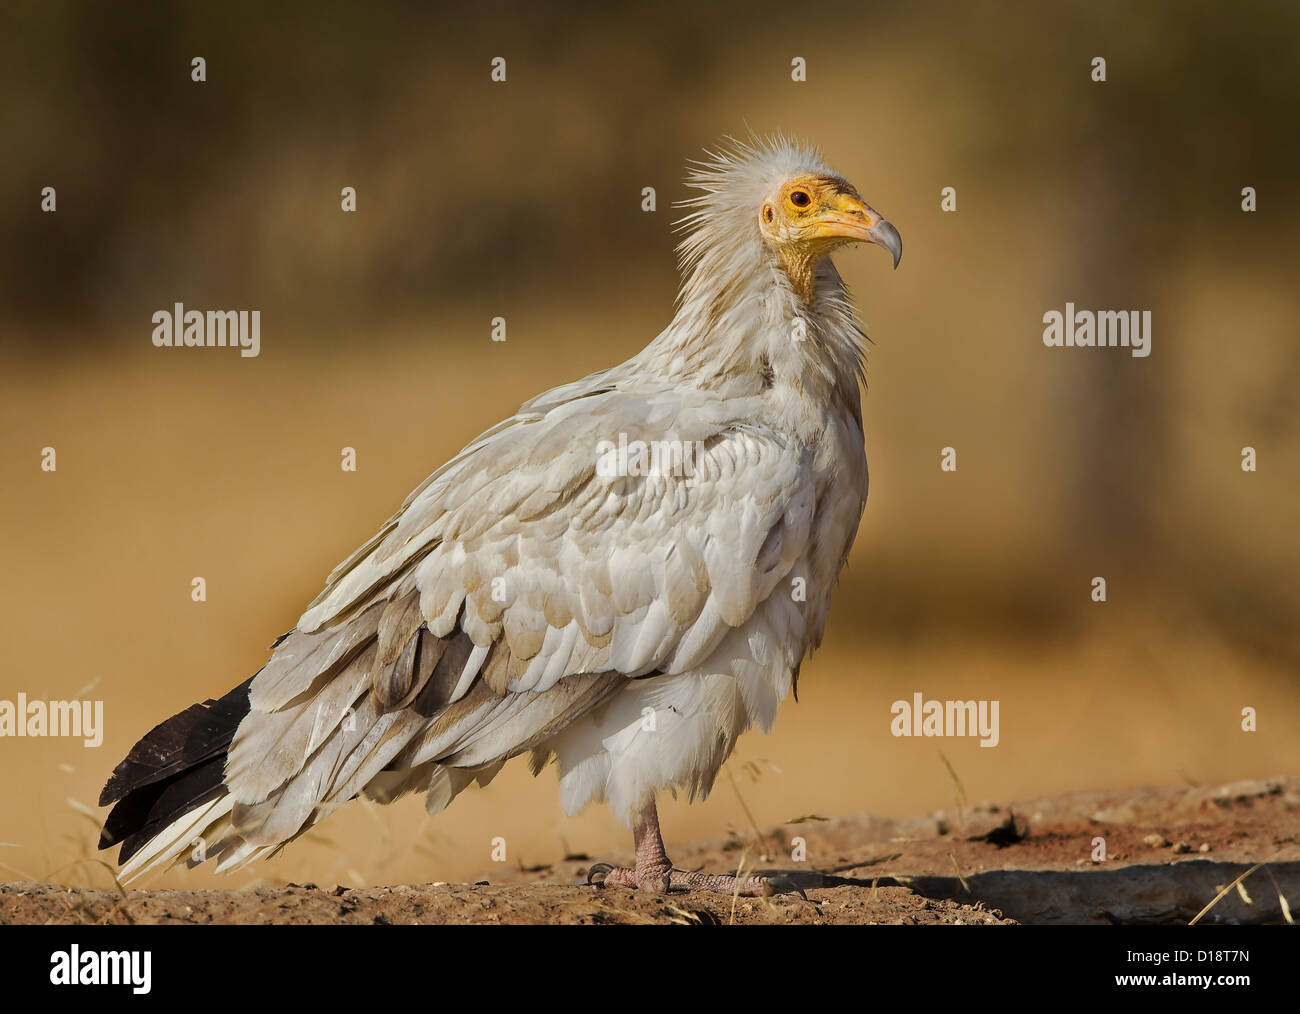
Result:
x=556 y=590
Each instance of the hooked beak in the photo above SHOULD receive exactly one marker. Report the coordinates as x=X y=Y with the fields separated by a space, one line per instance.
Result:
x=852 y=219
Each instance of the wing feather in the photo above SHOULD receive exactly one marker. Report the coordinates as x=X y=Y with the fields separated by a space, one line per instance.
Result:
x=518 y=588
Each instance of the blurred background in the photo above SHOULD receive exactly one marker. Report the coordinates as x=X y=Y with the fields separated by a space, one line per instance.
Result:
x=522 y=199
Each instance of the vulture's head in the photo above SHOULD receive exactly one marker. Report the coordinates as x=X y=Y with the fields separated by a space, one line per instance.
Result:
x=808 y=214
x=776 y=201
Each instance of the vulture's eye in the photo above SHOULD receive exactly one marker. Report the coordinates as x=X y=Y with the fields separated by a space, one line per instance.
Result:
x=800 y=199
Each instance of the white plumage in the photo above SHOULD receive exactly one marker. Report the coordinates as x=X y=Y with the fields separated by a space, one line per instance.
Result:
x=513 y=601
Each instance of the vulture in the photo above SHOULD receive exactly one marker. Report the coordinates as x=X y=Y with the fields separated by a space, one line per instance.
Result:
x=622 y=577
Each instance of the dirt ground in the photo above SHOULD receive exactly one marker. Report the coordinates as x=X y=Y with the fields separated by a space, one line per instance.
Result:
x=1167 y=854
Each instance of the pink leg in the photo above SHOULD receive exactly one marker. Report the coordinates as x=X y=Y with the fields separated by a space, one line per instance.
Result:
x=654 y=870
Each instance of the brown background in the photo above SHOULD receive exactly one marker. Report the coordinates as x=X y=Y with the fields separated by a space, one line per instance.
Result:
x=523 y=200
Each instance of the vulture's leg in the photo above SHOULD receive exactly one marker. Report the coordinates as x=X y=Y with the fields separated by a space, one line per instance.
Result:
x=654 y=870
x=653 y=867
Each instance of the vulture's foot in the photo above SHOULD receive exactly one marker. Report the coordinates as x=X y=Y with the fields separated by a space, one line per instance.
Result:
x=654 y=879
x=660 y=881
x=654 y=871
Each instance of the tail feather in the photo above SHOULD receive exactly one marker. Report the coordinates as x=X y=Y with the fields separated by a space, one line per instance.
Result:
x=174 y=769
x=237 y=778
x=183 y=834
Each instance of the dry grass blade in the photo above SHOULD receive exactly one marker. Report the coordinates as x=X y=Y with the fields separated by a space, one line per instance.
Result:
x=955 y=869
x=1281 y=898
x=740 y=879
x=961 y=791
x=1220 y=896
x=758 y=835
x=682 y=917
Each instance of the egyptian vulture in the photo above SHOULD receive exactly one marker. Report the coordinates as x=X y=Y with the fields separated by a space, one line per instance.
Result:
x=557 y=591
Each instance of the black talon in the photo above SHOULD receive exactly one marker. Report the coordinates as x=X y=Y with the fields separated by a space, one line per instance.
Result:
x=603 y=869
x=784 y=885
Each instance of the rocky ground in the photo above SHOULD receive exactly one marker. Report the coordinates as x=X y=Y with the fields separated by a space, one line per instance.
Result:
x=1168 y=854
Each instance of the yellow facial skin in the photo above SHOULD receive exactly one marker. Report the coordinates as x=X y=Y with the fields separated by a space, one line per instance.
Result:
x=812 y=215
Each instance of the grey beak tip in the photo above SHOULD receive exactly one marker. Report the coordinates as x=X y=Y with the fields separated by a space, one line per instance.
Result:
x=887 y=236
